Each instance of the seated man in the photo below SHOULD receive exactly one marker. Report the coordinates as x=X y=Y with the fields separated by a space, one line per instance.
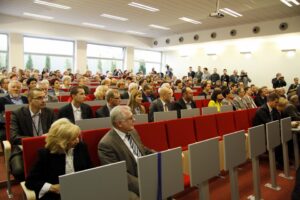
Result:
x=28 y=121
x=185 y=102
x=147 y=93
x=267 y=112
x=13 y=97
x=76 y=110
x=122 y=142
x=44 y=85
x=238 y=102
x=4 y=85
x=112 y=97
x=291 y=109
x=161 y=104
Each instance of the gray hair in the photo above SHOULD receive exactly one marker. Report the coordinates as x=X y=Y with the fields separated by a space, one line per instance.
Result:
x=133 y=86
x=118 y=113
x=66 y=77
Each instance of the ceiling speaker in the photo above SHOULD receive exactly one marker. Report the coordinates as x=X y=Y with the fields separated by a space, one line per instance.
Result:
x=181 y=39
x=213 y=35
x=283 y=26
x=233 y=32
x=155 y=43
x=168 y=41
x=196 y=37
x=256 y=29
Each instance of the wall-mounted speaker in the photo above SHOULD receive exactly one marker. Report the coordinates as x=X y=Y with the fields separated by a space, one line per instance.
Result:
x=213 y=35
x=181 y=39
x=233 y=32
x=283 y=26
x=196 y=37
x=256 y=29
x=155 y=43
x=167 y=41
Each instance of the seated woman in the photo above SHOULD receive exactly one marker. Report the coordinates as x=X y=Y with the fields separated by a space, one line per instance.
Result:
x=55 y=85
x=135 y=103
x=66 y=80
x=100 y=92
x=63 y=154
x=216 y=99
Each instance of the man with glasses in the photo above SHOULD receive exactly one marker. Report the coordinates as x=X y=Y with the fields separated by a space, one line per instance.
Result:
x=28 y=121
x=122 y=142
x=113 y=99
x=4 y=85
x=77 y=109
x=13 y=97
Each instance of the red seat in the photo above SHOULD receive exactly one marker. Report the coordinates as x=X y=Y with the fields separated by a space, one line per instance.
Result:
x=225 y=123
x=153 y=135
x=251 y=114
x=7 y=124
x=147 y=106
x=181 y=132
x=198 y=104
x=177 y=96
x=31 y=146
x=94 y=109
x=92 y=138
x=205 y=102
x=241 y=120
x=206 y=127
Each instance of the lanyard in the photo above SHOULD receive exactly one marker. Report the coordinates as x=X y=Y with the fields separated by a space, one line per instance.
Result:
x=37 y=130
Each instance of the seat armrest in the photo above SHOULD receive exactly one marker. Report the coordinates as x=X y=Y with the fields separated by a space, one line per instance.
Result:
x=7 y=151
x=29 y=194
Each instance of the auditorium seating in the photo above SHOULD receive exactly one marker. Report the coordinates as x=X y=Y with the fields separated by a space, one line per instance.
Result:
x=225 y=123
x=251 y=114
x=241 y=119
x=205 y=127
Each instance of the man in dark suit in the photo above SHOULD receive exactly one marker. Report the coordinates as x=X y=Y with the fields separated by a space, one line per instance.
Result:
x=191 y=73
x=147 y=93
x=113 y=99
x=291 y=109
x=161 y=104
x=13 y=97
x=76 y=110
x=122 y=143
x=267 y=112
x=28 y=121
x=4 y=85
x=261 y=97
x=185 y=102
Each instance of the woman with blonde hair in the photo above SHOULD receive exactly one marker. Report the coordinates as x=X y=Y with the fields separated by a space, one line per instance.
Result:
x=100 y=92
x=63 y=154
x=135 y=102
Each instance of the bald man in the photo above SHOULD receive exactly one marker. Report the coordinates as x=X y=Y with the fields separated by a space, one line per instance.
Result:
x=162 y=104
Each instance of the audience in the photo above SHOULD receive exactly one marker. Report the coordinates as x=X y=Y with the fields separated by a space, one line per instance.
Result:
x=248 y=98
x=291 y=109
x=113 y=99
x=239 y=102
x=44 y=85
x=135 y=103
x=100 y=92
x=63 y=153
x=185 y=102
x=216 y=99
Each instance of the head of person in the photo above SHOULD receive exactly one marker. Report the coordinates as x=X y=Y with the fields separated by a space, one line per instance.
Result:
x=217 y=95
x=62 y=136
x=121 y=84
x=227 y=94
x=225 y=71
x=248 y=91
x=31 y=83
x=234 y=88
x=207 y=87
x=190 y=68
x=55 y=83
x=44 y=85
x=14 y=88
x=241 y=92
x=165 y=94
x=100 y=92
x=296 y=81
x=294 y=100
x=241 y=85
x=81 y=80
x=4 y=83
x=273 y=100
x=122 y=118
x=215 y=70
x=113 y=98
x=263 y=91
x=282 y=103
x=147 y=89
x=135 y=98
x=133 y=87
x=66 y=80
x=187 y=94
x=78 y=95
x=205 y=70
x=179 y=84
x=235 y=72
x=36 y=99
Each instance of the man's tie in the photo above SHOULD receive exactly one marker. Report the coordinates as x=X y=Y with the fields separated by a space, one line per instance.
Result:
x=133 y=146
x=166 y=108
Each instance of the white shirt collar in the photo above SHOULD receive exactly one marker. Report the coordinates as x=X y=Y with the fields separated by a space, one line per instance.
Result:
x=120 y=133
x=32 y=114
x=74 y=108
x=270 y=109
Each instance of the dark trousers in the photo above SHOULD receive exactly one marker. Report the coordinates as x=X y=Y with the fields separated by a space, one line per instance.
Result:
x=17 y=166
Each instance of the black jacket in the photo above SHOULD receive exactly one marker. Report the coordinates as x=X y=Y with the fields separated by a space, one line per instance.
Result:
x=103 y=112
x=67 y=112
x=263 y=116
x=180 y=105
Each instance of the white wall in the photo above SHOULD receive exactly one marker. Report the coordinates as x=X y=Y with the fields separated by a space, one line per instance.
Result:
x=267 y=58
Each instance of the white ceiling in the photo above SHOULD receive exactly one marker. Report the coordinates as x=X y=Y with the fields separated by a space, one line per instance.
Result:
x=170 y=10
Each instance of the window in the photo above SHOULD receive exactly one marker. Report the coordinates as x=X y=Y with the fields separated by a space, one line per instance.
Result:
x=3 y=51
x=40 y=53
x=103 y=58
x=146 y=60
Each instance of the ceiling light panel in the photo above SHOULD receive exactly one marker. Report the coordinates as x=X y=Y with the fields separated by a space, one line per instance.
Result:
x=189 y=20
x=159 y=27
x=230 y=12
x=136 y=32
x=113 y=17
x=93 y=25
x=290 y=3
x=144 y=7
x=37 y=16
x=55 y=5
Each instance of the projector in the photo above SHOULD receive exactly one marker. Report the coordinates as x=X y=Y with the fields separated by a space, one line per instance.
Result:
x=216 y=15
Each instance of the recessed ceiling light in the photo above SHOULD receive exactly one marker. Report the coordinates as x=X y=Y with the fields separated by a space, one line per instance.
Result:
x=93 y=25
x=55 y=5
x=230 y=12
x=189 y=20
x=37 y=16
x=136 y=32
x=114 y=17
x=289 y=2
x=141 y=6
x=159 y=27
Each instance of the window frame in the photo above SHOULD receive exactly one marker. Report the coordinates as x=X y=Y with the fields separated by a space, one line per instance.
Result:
x=7 y=48
x=150 y=62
